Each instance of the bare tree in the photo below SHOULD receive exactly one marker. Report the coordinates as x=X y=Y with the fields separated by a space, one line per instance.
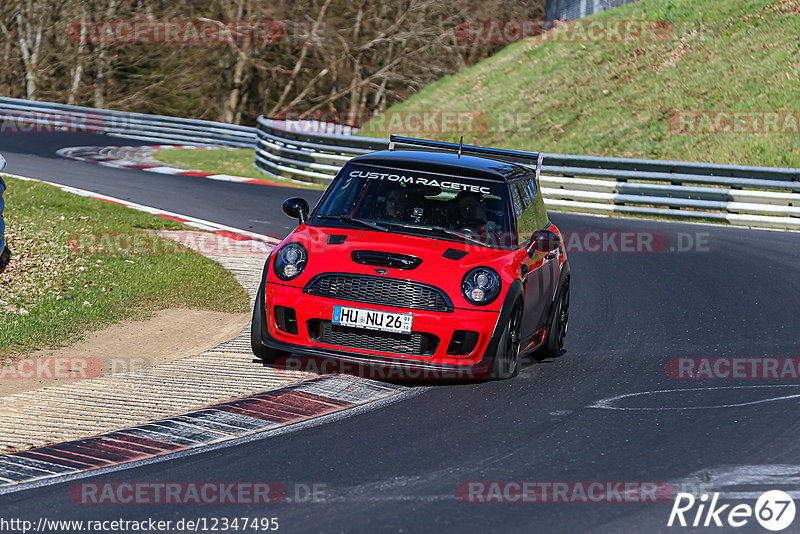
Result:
x=298 y=65
x=351 y=56
x=77 y=70
x=101 y=61
x=30 y=15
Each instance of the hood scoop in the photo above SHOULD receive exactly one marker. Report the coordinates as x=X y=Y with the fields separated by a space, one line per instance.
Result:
x=385 y=259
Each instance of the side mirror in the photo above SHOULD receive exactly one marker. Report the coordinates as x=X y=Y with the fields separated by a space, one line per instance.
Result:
x=544 y=241
x=296 y=208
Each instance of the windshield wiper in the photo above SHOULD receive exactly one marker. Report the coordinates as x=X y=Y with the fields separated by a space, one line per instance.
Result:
x=442 y=230
x=347 y=218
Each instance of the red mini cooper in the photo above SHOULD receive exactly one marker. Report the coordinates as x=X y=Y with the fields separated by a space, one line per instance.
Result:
x=428 y=256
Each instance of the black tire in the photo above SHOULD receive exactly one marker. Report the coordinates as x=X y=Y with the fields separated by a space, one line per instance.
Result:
x=553 y=346
x=267 y=354
x=505 y=363
x=5 y=258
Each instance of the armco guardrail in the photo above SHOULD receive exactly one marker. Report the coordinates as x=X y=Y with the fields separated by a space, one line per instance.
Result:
x=307 y=156
x=576 y=9
x=19 y=115
x=755 y=196
x=751 y=196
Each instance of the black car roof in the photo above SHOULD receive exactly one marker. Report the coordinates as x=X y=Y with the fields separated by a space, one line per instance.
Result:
x=444 y=162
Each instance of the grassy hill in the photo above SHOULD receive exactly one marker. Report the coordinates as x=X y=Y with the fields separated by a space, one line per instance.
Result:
x=622 y=98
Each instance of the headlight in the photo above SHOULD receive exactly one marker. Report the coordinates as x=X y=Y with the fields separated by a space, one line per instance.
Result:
x=481 y=286
x=290 y=261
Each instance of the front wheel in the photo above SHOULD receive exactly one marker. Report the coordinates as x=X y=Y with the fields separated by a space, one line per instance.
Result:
x=267 y=354
x=506 y=357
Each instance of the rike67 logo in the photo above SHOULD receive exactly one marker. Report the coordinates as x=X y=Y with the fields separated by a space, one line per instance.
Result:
x=774 y=510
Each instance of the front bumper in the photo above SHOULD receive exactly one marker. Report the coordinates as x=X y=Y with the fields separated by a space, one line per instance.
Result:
x=312 y=309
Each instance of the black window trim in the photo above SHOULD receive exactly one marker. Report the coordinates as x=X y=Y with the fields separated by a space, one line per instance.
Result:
x=512 y=218
x=531 y=176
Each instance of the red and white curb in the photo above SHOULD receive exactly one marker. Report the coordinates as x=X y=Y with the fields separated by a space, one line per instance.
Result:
x=93 y=154
x=254 y=239
x=210 y=426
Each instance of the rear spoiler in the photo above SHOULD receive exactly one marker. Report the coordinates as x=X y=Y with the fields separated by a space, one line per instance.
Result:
x=532 y=160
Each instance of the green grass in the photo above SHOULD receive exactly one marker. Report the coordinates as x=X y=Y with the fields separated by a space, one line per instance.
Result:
x=236 y=162
x=617 y=99
x=55 y=290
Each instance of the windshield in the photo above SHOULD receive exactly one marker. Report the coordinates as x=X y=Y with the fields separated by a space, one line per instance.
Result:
x=414 y=202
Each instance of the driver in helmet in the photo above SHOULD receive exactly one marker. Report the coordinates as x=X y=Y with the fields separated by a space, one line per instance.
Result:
x=397 y=203
x=471 y=210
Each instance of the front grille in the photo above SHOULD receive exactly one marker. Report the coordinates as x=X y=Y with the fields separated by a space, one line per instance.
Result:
x=416 y=343
x=378 y=290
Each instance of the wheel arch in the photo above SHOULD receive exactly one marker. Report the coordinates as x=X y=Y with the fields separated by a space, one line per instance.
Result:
x=514 y=294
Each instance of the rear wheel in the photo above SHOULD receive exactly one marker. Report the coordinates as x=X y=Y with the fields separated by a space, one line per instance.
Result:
x=557 y=333
x=506 y=357
x=267 y=354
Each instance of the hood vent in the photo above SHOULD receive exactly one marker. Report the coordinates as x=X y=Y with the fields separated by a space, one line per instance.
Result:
x=453 y=254
x=385 y=259
x=336 y=239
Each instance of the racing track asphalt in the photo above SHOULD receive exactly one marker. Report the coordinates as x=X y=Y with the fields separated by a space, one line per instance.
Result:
x=396 y=468
x=247 y=208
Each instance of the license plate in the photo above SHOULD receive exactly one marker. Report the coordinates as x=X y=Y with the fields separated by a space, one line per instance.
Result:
x=373 y=319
